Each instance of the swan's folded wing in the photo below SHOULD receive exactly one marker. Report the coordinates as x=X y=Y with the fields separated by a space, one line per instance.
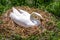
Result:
x=21 y=20
x=18 y=20
x=13 y=16
x=24 y=12
x=18 y=17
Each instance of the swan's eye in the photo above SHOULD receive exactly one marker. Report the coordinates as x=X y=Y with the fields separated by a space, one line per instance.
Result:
x=34 y=16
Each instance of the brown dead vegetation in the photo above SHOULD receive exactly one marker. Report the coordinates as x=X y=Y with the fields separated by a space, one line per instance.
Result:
x=8 y=27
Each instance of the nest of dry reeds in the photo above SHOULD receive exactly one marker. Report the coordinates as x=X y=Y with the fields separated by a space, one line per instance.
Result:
x=8 y=27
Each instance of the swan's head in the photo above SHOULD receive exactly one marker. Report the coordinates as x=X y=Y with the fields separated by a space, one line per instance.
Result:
x=35 y=18
x=36 y=15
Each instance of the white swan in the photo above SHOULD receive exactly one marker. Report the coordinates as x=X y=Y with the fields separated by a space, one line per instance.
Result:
x=23 y=18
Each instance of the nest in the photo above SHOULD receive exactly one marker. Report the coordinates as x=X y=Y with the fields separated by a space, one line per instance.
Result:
x=8 y=27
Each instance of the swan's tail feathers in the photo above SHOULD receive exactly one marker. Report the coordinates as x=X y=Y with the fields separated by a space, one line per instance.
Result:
x=10 y=14
x=22 y=11
x=15 y=11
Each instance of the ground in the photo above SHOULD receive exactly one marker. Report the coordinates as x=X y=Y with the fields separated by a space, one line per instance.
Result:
x=9 y=28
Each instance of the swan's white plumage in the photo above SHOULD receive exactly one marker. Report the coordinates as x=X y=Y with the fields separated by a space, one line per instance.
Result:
x=22 y=18
x=24 y=12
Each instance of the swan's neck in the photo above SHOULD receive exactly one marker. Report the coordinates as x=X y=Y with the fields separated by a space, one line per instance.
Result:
x=36 y=22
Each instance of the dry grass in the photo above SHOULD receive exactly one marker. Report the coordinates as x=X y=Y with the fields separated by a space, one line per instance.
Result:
x=8 y=27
